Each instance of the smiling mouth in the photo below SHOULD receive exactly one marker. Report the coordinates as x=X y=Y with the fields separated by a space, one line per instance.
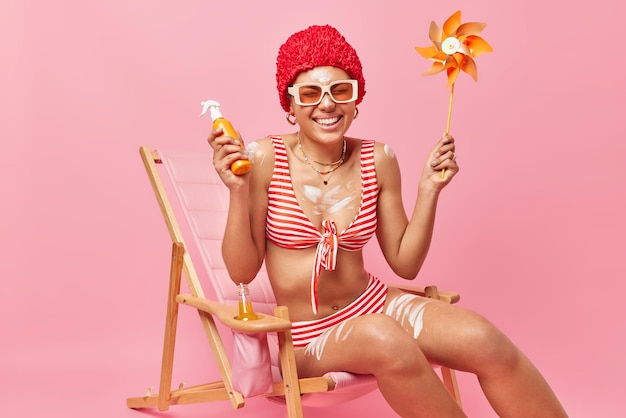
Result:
x=327 y=121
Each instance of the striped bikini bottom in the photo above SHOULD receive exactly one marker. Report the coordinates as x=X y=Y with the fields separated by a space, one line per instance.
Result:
x=372 y=300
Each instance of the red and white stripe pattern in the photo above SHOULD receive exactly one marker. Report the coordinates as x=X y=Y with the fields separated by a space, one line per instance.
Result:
x=372 y=300
x=287 y=226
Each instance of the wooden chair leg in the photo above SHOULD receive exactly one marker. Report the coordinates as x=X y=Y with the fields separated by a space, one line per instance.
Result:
x=171 y=320
x=448 y=375
x=288 y=368
x=449 y=380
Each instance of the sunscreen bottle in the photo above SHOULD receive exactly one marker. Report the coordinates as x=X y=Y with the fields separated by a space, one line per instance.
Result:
x=239 y=167
x=245 y=305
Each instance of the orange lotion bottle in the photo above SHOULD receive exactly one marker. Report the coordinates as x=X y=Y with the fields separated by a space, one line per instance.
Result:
x=239 y=167
x=245 y=305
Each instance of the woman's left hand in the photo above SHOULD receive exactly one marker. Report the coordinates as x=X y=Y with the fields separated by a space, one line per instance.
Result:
x=441 y=158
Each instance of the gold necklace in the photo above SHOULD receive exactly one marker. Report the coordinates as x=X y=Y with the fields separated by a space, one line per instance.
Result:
x=335 y=165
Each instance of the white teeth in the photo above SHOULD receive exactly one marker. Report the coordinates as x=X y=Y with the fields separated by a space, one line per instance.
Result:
x=327 y=121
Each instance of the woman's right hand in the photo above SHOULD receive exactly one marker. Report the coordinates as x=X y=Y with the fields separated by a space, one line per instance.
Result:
x=442 y=157
x=227 y=150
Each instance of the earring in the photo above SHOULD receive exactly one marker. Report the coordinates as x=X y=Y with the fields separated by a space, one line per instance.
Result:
x=291 y=122
x=356 y=112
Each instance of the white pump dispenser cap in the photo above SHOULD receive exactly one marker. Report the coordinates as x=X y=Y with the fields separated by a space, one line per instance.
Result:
x=213 y=107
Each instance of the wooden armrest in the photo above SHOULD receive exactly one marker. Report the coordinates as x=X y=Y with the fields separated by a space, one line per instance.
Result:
x=226 y=314
x=444 y=295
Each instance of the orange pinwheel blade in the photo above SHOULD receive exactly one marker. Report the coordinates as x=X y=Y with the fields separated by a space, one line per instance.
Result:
x=436 y=68
x=434 y=33
x=427 y=52
x=477 y=45
x=469 y=66
x=452 y=23
x=470 y=28
x=458 y=57
x=453 y=73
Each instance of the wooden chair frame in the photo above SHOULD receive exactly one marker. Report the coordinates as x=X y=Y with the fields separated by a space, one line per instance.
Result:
x=291 y=388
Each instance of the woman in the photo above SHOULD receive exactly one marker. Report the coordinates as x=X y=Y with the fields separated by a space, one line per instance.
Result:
x=312 y=200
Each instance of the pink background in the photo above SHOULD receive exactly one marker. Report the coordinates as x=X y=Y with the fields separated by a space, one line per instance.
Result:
x=531 y=233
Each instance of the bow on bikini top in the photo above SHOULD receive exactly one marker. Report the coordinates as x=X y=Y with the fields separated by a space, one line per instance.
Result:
x=288 y=227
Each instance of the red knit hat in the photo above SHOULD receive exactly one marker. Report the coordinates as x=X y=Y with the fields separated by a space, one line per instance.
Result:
x=314 y=47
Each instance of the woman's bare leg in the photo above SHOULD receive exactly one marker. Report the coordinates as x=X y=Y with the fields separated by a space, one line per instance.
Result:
x=377 y=345
x=463 y=340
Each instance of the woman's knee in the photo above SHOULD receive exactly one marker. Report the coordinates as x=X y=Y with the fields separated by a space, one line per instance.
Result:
x=489 y=346
x=384 y=339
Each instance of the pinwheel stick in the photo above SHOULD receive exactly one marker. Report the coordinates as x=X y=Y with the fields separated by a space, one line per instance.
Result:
x=443 y=172
x=450 y=109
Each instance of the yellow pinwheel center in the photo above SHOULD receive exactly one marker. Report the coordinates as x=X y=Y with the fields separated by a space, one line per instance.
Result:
x=450 y=45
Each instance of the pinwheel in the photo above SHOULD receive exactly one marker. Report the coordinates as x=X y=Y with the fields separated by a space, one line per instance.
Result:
x=453 y=50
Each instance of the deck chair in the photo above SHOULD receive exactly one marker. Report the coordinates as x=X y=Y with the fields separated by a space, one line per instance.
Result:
x=203 y=199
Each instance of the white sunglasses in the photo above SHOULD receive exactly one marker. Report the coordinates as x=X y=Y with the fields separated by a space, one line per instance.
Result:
x=311 y=94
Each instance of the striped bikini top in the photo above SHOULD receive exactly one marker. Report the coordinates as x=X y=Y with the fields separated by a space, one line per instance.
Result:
x=287 y=226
